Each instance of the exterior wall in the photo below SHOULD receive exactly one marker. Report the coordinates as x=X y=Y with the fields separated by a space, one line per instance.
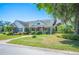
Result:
x=19 y=27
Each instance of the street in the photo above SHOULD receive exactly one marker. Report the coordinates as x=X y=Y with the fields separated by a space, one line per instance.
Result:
x=6 y=49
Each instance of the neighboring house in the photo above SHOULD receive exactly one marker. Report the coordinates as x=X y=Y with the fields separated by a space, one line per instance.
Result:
x=38 y=25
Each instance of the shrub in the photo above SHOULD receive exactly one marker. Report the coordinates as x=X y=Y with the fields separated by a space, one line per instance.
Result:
x=8 y=33
x=34 y=36
x=8 y=28
x=3 y=33
x=18 y=33
x=65 y=28
x=71 y=36
x=33 y=32
x=39 y=32
x=25 y=33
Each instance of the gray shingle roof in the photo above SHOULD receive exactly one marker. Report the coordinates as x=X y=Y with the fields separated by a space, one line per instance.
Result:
x=29 y=23
x=46 y=22
x=25 y=24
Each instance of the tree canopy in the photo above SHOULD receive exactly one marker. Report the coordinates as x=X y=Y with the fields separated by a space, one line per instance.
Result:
x=63 y=11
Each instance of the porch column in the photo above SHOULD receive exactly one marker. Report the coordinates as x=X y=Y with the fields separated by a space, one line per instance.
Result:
x=23 y=29
x=42 y=30
x=35 y=30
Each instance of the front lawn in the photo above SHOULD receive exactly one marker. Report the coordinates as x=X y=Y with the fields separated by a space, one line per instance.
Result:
x=49 y=41
x=3 y=37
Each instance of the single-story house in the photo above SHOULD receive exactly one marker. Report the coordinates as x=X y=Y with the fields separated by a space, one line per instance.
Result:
x=38 y=25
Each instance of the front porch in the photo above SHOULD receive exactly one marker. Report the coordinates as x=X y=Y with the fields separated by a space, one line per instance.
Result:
x=43 y=30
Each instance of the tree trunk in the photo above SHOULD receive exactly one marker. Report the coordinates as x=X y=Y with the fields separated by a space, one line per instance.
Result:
x=76 y=5
x=77 y=24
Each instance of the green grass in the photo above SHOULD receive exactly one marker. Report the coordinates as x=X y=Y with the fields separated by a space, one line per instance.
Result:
x=49 y=41
x=4 y=37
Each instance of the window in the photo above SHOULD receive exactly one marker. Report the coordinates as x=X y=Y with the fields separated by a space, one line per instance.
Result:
x=20 y=29
x=38 y=23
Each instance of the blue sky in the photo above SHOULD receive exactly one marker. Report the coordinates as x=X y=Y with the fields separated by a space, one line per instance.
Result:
x=25 y=12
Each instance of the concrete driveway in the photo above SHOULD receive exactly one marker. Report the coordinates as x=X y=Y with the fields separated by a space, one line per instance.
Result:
x=12 y=49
